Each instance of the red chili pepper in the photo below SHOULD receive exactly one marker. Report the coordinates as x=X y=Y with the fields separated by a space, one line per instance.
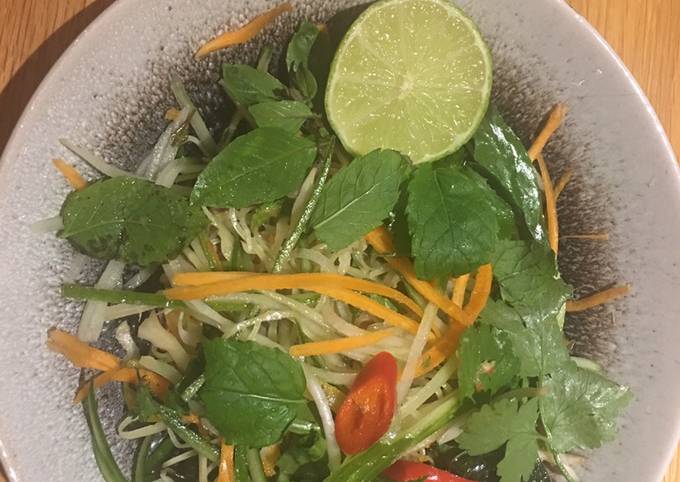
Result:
x=366 y=413
x=405 y=471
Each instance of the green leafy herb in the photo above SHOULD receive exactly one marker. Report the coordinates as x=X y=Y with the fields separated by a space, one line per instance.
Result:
x=487 y=361
x=264 y=212
x=537 y=342
x=504 y=159
x=581 y=408
x=258 y=167
x=251 y=392
x=507 y=223
x=299 y=459
x=452 y=223
x=288 y=115
x=297 y=59
x=131 y=220
x=398 y=226
x=528 y=277
x=505 y=422
x=241 y=473
x=247 y=85
x=358 y=198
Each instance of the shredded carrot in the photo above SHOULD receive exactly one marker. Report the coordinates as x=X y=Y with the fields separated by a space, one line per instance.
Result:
x=171 y=114
x=80 y=353
x=290 y=281
x=245 y=33
x=555 y=119
x=550 y=205
x=562 y=182
x=480 y=292
x=440 y=351
x=339 y=345
x=594 y=236
x=459 y=287
x=226 y=470
x=381 y=241
x=597 y=299
x=157 y=384
x=73 y=177
x=270 y=456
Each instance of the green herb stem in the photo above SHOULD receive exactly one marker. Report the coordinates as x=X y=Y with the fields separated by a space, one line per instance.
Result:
x=301 y=226
x=255 y=466
x=198 y=443
x=241 y=473
x=193 y=388
x=140 y=470
x=102 y=451
x=156 y=458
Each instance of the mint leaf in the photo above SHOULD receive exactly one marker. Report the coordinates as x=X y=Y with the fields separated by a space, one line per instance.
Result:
x=358 y=198
x=452 y=223
x=130 y=219
x=288 y=115
x=504 y=159
x=487 y=361
x=297 y=59
x=251 y=392
x=247 y=85
x=507 y=224
x=505 y=422
x=581 y=408
x=538 y=343
x=297 y=55
x=260 y=166
x=529 y=280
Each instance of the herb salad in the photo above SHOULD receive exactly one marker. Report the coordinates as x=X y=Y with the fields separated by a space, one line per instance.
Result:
x=356 y=279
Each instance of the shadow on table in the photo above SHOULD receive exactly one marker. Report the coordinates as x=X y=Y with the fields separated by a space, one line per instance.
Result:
x=21 y=86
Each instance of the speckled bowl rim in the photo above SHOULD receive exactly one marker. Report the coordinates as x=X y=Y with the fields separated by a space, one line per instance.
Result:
x=72 y=54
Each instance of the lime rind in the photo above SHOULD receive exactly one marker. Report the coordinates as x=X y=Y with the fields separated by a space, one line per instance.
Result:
x=362 y=129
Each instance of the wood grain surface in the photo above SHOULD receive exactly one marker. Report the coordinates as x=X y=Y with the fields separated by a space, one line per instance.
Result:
x=645 y=33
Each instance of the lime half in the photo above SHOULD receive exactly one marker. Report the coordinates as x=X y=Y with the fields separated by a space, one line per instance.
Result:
x=410 y=75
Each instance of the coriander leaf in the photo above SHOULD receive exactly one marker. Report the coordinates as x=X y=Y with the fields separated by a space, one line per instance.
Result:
x=251 y=392
x=505 y=422
x=581 y=408
x=504 y=159
x=260 y=166
x=358 y=198
x=247 y=85
x=487 y=361
x=130 y=219
x=288 y=115
x=538 y=343
x=300 y=46
x=527 y=275
x=453 y=226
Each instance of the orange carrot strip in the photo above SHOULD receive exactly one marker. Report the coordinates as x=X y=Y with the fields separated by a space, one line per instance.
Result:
x=597 y=299
x=550 y=205
x=80 y=353
x=480 y=292
x=157 y=384
x=459 y=287
x=594 y=236
x=244 y=33
x=563 y=181
x=73 y=177
x=226 y=470
x=381 y=241
x=555 y=119
x=270 y=456
x=171 y=114
x=339 y=345
x=440 y=351
x=322 y=287
x=300 y=280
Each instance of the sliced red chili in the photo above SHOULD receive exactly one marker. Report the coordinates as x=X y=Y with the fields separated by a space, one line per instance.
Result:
x=366 y=413
x=405 y=471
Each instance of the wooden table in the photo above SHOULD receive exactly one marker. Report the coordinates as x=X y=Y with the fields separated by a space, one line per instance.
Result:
x=646 y=33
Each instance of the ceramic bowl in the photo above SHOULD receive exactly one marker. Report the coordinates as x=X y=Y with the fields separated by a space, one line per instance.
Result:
x=109 y=92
